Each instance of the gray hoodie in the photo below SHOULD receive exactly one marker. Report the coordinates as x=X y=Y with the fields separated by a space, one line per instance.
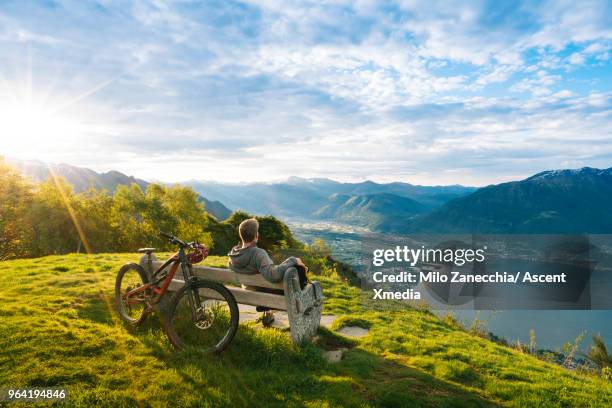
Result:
x=252 y=260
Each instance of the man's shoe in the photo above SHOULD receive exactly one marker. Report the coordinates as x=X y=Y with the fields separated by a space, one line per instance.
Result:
x=267 y=319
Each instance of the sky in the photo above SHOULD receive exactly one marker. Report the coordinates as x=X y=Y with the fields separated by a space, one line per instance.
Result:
x=428 y=92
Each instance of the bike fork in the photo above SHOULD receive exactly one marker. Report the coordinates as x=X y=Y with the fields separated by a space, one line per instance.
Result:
x=193 y=296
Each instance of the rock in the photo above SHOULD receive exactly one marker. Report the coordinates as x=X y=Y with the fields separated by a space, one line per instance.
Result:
x=353 y=331
x=327 y=320
x=281 y=320
x=250 y=314
x=334 y=356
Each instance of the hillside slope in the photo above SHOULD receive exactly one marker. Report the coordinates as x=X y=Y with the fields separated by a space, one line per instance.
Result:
x=557 y=201
x=378 y=212
x=59 y=330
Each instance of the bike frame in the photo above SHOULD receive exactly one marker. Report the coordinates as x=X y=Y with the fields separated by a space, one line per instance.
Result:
x=178 y=259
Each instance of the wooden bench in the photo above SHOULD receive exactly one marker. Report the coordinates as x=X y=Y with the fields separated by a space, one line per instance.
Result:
x=303 y=307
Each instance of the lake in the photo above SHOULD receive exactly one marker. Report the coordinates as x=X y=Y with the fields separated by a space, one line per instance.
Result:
x=553 y=328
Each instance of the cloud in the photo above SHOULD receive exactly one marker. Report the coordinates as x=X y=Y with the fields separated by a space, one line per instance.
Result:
x=470 y=92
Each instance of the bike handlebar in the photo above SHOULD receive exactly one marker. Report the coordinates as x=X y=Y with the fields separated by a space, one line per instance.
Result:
x=166 y=235
x=174 y=239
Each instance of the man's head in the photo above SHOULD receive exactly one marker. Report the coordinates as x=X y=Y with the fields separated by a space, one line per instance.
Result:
x=249 y=230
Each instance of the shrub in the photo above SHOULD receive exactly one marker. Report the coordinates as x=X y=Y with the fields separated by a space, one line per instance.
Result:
x=599 y=354
x=606 y=373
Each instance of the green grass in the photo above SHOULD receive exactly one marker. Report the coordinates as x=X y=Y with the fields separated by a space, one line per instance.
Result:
x=58 y=328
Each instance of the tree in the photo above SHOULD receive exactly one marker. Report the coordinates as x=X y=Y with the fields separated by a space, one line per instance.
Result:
x=236 y=218
x=599 y=354
x=189 y=214
x=16 y=197
x=55 y=220
x=138 y=217
x=94 y=212
x=275 y=234
x=129 y=218
x=320 y=249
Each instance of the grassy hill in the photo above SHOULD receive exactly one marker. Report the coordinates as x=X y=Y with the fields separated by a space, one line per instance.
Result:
x=59 y=329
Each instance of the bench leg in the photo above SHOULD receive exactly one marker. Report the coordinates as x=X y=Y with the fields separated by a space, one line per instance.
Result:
x=146 y=261
x=304 y=307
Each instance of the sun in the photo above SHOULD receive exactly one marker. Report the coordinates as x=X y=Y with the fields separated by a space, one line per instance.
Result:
x=27 y=127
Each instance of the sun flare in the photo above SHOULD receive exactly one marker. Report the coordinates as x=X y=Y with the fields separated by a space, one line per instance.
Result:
x=27 y=126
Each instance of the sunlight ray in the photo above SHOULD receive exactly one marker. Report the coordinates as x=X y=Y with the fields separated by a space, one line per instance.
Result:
x=49 y=92
x=71 y=212
x=29 y=76
x=98 y=87
x=82 y=237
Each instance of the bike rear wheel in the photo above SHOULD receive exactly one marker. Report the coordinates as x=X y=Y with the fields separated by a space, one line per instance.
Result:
x=132 y=309
x=216 y=321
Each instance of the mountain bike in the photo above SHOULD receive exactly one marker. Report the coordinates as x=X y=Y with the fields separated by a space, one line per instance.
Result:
x=202 y=314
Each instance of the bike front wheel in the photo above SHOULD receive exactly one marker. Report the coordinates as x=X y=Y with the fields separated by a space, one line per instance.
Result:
x=131 y=294
x=212 y=323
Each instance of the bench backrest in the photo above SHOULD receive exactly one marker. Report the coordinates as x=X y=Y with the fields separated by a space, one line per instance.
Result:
x=224 y=275
x=232 y=280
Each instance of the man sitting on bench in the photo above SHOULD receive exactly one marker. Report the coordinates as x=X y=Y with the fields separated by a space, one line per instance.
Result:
x=248 y=258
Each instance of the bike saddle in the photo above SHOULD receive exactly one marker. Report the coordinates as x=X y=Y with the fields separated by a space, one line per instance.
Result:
x=146 y=250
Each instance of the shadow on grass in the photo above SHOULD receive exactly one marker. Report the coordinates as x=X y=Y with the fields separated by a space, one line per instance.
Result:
x=94 y=308
x=262 y=367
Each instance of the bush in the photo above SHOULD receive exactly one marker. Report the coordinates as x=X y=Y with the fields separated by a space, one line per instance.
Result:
x=599 y=354
x=274 y=235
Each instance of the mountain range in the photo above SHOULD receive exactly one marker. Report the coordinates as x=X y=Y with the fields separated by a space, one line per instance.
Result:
x=314 y=198
x=83 y=178
x=555 y=201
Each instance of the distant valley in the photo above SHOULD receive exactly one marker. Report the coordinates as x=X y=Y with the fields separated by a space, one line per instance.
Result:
x=376 y=206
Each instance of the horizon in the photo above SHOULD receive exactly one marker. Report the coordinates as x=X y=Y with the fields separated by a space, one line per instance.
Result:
x=431 y=95
x=282 y=180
